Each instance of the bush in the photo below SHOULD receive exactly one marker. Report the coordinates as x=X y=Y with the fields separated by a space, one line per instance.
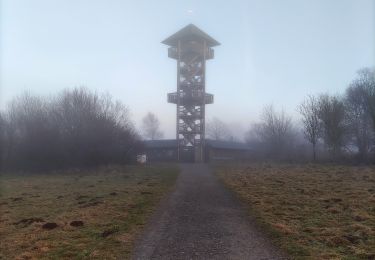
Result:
x=73 y=129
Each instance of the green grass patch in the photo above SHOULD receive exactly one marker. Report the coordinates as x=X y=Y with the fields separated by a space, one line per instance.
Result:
x=98 y=212
x=311 y=211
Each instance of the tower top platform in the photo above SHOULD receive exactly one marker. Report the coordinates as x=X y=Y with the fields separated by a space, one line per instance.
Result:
x=190 y=33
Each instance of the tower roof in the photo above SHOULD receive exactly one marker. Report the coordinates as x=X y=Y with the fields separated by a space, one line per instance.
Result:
x=190 y=32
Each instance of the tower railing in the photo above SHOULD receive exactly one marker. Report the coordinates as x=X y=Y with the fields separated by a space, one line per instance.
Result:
x=194 y=97
x=209 y=52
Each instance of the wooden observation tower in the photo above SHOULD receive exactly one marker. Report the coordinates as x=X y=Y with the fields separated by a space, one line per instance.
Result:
x=191 y=47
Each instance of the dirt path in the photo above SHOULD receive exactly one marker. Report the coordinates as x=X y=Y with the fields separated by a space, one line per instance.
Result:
x=202 y=220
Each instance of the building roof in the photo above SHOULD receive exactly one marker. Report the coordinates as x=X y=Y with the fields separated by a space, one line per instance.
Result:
x=190 y=32
x=172 y=143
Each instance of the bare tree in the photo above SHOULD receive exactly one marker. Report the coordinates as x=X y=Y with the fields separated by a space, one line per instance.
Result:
x=332 y=115
x=309 y=109
x=252 y=134
x=150 y=127
x=2 y=139
x=217 y=130
x=365 y=85
x=358 y=119
x=275 y=131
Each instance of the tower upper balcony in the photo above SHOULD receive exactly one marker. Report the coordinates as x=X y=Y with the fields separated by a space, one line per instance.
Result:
x=191 y=39
x=207 y=52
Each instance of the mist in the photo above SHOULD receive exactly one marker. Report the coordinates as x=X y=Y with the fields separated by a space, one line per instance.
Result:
x=187 y=129
x=267 y=55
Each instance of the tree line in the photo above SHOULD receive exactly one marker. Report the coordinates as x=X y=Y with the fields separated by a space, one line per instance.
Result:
x=75 y=128
x=337 y=127
x=79 y=127
x=332 y=127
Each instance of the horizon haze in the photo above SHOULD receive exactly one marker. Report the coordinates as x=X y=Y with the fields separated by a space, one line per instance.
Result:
x=271 y=52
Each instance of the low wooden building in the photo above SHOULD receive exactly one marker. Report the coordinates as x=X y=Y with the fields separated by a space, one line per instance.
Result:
x=217 y=150
x=214 y=150
x=161 y=150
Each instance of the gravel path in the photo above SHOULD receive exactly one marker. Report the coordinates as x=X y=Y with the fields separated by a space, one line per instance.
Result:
x=202 y=220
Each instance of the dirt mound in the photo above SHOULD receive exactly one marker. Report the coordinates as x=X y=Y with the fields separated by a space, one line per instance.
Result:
x=76 y=223
x=49 y=225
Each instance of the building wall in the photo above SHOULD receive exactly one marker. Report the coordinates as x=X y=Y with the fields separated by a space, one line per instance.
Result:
x=215 y=154
x=161 y=155
x=211 y=154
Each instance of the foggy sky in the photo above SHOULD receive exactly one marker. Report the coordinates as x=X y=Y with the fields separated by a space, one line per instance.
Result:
x=272 y=52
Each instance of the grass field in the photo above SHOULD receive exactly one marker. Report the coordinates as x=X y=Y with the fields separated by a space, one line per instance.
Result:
x=78 y=214
x=312 y=211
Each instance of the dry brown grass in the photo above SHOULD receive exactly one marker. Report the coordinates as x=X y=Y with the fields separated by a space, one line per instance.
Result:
x=312 y=211
x=113 y=204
